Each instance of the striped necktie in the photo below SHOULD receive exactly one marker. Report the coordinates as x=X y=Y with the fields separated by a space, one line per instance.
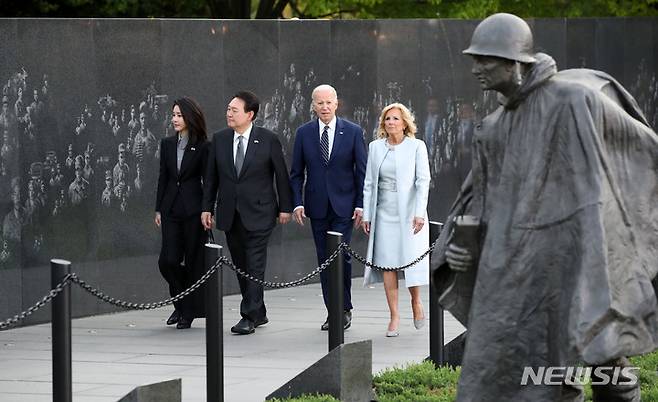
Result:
x=239 y=156
x=324 y=145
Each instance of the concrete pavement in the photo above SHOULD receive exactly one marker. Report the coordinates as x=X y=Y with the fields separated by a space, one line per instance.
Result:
x=114 y=353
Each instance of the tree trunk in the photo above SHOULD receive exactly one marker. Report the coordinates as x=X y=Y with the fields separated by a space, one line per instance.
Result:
x=232 y=9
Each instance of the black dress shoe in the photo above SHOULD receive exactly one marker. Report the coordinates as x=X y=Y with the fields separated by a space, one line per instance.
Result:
x=347 y=319
x=243 y=327
x=260 y=322
x=173 y=318
x=184 y=323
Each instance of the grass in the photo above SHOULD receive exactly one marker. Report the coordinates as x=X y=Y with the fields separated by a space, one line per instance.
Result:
x=424 y=382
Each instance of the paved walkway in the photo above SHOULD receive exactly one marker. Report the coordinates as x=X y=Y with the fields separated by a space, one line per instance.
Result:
x=114 y=353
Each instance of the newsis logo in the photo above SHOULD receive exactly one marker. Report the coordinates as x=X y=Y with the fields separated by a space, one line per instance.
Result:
x=600 y=375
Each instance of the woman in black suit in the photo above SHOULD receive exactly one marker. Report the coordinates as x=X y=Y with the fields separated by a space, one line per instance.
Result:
x=178 y=208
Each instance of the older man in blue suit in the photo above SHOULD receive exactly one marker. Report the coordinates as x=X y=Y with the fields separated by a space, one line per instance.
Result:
x=329 y=164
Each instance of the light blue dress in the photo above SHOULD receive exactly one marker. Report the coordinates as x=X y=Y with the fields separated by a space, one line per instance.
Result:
x=387 y=250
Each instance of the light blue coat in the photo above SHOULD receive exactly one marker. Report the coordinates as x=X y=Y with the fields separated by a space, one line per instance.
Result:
x=413 y=184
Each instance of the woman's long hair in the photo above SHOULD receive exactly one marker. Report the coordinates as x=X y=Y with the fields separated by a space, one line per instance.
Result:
x=407 y=117
x=193 y=117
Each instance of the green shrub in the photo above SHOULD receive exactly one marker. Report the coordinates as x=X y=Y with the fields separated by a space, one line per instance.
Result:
x=420 y=381
x=309 y=398
x=424 y=382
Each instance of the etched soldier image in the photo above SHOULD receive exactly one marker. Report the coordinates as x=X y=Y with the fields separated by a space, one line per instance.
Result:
x=144 y=144
x=138 y=183
x=19 y=106
x=298 y=107
x=88 y=170
x=29 y=130
x=57 y=177
x=32 y=205
x=13 y=222
x=121 y=169
x=78 y=189
x=554 y=262
x=81 y=128
x=9 y=153
x=7 y=119
x=133 y=123
x=70 y=158
x=429 y=130
x=36 y=177
x=60 y=203
x=106 y=195
x=36 y=109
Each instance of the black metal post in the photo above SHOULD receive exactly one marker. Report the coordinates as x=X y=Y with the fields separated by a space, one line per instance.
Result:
x=61 y=333
x=214 y=330
x=436 y=311
x=336 y=337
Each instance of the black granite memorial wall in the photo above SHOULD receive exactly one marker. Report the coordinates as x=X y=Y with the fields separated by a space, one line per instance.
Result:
x=86 y=101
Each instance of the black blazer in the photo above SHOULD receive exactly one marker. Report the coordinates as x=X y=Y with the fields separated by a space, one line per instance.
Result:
x=253 y=192
x=188 y=182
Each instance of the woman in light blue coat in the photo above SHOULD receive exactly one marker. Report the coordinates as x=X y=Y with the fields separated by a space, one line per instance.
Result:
x=395 y=195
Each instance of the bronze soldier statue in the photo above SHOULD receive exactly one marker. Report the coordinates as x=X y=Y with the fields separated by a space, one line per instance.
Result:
x=564 y=184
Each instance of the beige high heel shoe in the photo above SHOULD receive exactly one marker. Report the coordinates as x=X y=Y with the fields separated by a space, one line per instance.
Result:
x=418 y=324
x=392 y=333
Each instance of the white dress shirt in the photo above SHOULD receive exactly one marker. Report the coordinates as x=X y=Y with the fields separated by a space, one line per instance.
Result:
x=245 y=141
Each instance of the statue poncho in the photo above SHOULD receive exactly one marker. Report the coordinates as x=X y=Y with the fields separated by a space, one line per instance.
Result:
x=565 y=182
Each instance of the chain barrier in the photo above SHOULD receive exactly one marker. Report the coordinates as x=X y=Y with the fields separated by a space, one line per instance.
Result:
x=45 y=300
x=281 y=285
x=148 y=306
x=343 y=248
x=367 y=263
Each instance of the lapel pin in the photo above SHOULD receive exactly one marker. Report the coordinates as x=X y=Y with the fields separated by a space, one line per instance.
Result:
x=193 y=149
x=341 y=132
x=255 y=141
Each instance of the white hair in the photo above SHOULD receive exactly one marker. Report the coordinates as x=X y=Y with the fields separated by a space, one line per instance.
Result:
x=324 y=87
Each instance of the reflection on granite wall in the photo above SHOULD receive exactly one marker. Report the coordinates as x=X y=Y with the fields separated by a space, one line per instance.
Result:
x=85 y=103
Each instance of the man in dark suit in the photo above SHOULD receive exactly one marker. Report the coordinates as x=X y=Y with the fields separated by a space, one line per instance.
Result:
x=243 y=163
x=330 y=155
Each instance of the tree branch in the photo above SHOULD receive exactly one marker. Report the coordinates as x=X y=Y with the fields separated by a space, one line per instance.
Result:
x=264 y=9
x=330 y=14
x=279 y=7
x=295 y=9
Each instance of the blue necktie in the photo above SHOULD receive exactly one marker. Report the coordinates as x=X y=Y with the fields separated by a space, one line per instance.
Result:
x=324 y=145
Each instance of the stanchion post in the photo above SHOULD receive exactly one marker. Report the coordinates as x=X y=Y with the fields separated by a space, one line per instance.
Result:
x=214 y=330
x=436 y=311
x=336 y=336
x=61 y=333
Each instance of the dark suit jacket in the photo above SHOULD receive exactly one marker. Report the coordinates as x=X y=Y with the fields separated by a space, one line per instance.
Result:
x=253 y=192
x=340 y=182
x=186 y=183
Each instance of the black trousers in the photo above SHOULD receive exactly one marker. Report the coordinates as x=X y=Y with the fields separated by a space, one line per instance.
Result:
x=249 y=253
x=182 y=242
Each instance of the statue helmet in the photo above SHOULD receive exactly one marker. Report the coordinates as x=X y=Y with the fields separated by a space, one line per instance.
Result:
x=503 y=35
